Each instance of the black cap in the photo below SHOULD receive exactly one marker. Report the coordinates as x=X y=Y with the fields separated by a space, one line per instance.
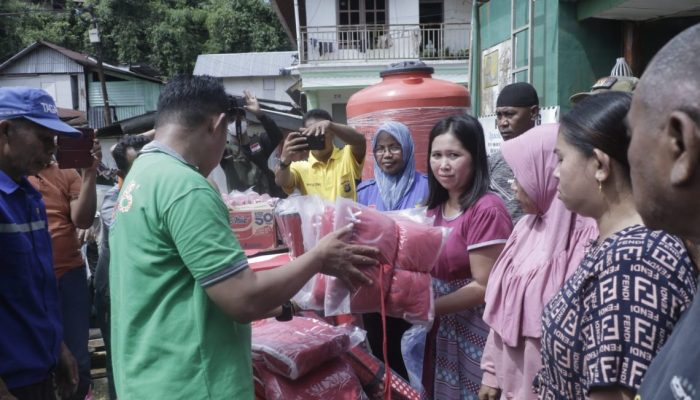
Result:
x=520 y=94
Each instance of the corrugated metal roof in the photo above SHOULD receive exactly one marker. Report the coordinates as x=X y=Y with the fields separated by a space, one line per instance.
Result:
x=244 y=64
x=80 y=58
x=44 y=61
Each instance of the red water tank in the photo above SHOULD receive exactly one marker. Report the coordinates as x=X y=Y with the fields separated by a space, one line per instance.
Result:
x=407 y=94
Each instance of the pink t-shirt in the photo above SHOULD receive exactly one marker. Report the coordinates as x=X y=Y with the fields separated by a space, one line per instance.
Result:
x=486 y=223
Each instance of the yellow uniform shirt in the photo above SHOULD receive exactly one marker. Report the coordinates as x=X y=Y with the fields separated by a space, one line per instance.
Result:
x=331 y=179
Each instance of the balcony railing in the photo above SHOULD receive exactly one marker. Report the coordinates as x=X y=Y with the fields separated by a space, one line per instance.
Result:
x=385 y=42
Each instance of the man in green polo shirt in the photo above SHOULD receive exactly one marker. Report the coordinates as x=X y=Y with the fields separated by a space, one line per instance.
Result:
x=182 y=292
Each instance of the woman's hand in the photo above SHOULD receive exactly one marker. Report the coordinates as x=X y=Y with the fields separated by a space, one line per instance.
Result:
x=489 y=393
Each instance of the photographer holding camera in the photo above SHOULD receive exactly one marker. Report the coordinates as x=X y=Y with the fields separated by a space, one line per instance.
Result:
x=245 y=158
x=329 y=172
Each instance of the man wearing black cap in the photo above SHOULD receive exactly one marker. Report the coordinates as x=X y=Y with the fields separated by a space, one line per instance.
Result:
x=31 y=348
x=517 y=111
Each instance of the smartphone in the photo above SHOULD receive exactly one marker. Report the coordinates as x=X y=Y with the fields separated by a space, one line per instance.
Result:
x=316 y=142
x=75 y=152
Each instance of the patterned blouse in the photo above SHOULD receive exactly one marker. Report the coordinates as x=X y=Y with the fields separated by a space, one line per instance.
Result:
x=614 y=313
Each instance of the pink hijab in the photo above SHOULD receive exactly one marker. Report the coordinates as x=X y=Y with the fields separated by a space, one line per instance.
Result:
x=543 y=250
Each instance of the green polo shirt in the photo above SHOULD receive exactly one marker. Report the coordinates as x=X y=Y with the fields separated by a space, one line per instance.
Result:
x=169 y=241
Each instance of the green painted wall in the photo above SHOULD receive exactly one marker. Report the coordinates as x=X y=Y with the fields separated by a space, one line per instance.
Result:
x=568 y=55
x=545 y=58
x=588 y=8
x=495 y=22
x=587 y=51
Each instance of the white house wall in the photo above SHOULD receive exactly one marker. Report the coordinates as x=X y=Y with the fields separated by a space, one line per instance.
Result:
x=321 y=12
x=457 y=12
x=403 y=12
x=58 y=86
x=338 y=96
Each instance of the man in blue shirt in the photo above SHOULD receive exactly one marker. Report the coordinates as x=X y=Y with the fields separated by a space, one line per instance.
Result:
x=31 y=350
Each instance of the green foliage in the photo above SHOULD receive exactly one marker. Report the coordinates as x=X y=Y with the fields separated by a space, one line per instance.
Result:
x=167 y=34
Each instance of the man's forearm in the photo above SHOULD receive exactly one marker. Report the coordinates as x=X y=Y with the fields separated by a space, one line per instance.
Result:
x=347 y=134
x=83 y=209
x=274 y=134
x=284 y=177
x=250 y=295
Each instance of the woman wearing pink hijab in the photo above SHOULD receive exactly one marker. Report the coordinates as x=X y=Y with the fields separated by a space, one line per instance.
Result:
x=546 y=246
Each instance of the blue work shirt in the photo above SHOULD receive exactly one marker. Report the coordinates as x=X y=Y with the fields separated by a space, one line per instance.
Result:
x=30 y=324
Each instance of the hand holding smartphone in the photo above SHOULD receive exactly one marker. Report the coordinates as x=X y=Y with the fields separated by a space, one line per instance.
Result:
x=316 y=142
x=76 y=152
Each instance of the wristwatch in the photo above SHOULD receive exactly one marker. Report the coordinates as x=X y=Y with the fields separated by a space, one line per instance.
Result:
x=287 y=312
x=283 y=165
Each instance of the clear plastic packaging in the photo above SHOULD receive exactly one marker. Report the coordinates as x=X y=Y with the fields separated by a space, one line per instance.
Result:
x=409 y=246
x=294 y=348
x=413 y=351
x=333 y=380
x=307 y=210
x=236 y=198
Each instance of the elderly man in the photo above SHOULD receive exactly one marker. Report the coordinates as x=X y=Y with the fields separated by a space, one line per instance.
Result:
x=517 y=111
x=31 y=348
x=182 y=295
x=664 y=155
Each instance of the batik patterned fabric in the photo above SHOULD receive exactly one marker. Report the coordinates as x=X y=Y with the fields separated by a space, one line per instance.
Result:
x=613 y=315
x=459 y=344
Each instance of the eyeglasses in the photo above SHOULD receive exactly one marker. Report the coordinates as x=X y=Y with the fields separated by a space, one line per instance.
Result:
x=393 y=150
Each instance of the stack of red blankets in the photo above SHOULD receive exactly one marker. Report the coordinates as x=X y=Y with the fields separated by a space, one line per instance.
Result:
x=408 y=250
x=308 y=359
x=301 y=359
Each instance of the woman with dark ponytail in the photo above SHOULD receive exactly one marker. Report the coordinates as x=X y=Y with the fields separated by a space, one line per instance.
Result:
x=601 y=330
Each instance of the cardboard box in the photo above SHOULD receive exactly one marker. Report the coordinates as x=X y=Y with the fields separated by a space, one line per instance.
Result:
x=254 y=226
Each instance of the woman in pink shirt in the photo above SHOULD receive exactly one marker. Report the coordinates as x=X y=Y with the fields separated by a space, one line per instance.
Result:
x=545 y=247
x=458 y=179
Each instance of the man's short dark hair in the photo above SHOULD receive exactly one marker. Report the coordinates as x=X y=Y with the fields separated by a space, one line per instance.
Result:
x=188 y=100
x=519 y=94
x=317 y=114
x=671 y=81
x=135 y=142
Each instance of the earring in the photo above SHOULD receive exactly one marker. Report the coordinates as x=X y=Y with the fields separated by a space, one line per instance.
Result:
x=600 y=186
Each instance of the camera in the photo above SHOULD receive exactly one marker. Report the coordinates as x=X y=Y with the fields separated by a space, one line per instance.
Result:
x=236 y=105
x=316 y=142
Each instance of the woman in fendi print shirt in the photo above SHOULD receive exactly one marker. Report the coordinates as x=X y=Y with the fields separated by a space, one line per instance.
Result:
x=601 y=331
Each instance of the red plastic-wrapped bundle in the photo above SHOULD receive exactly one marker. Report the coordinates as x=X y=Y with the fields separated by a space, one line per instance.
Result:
x=318 y=293
x=410 y=296
x=417 y=245
x=408 y=251
x=367 y=298
x=294 y=348
x=289 y=226
x=371 y=228
x=332 y=380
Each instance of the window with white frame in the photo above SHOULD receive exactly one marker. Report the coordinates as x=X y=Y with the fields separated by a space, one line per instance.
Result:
x=362 y=12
